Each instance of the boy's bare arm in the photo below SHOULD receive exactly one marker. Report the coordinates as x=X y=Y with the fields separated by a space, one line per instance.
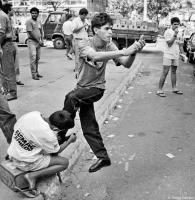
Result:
x=68 y=142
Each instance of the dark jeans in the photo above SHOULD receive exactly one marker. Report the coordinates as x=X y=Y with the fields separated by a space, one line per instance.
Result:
x=7 y=119
x=84 y=98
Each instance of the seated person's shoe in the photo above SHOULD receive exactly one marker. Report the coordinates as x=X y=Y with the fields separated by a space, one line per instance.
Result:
x=35 y=78
x=19 y=83
x=10 y=97
x=39 y=76
x=101 y=162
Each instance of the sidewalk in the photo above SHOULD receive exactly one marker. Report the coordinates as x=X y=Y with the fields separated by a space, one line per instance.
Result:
x=47 y=95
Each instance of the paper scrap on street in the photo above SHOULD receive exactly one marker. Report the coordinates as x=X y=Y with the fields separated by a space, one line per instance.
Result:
x=126 y=166
x=78 y=186
x=131 y=88
x=170 y=155
x=149 y=92
x=131 y=136
x=115 y=118
x=87 y=194
x=132 y=157
x=111 y=136
x=106 y=122
x=120 y=100
x=119 y=106
x=110 y=116
x=126 y=92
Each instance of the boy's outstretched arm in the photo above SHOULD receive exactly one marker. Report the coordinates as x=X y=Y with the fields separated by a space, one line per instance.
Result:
x=130 y=53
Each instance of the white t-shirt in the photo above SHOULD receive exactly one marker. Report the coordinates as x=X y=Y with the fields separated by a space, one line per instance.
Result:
x=173 y=51
x=32 y=134
x=67 y=28
x=77 y=23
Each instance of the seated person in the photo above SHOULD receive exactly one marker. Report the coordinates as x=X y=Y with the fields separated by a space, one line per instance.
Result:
x=34 y=147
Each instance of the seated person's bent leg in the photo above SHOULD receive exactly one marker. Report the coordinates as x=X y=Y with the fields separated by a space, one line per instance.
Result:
x=57 y=164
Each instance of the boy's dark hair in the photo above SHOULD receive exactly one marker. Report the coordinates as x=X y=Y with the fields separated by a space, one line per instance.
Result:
x=83 y=11
x=100 y=20
x=34 y=9
x=6 y=7
x=175 y=19
x=61 y=119
x=68 y=16
x=0 y=4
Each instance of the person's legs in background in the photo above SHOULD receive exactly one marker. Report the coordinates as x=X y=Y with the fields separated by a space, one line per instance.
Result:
x=8 y=69
x=17 y=69
x=32 y=56
x=38 y=55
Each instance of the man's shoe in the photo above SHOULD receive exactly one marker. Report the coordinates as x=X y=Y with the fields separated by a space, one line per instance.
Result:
x=39 y=76
x=10 y=97
x=99 y=164
x=19 y=83
x=35 y=78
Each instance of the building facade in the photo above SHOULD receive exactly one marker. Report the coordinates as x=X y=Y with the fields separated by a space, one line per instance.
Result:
x=91 y=5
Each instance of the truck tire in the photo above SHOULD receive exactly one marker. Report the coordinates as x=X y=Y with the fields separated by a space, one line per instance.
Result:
x=59 y=43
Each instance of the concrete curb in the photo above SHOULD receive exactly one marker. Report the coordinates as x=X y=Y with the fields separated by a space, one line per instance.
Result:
x=50 y=186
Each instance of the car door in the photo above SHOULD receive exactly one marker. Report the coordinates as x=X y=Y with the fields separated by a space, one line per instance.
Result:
x=50 y=24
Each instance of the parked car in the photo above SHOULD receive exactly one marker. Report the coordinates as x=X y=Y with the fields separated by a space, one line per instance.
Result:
x=51 y=27
x=190 y=48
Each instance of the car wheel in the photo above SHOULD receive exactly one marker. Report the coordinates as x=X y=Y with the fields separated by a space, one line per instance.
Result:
x=59 y=43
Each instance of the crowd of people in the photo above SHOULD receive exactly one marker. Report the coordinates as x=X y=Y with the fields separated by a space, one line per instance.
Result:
x=34 y=140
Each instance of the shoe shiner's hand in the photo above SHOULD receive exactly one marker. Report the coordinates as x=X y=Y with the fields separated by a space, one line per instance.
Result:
x=73 y=137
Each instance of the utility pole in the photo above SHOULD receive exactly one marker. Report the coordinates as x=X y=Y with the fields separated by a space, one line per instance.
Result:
x=145 y=11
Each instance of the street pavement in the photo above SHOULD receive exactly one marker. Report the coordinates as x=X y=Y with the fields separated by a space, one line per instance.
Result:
x=150 y=141
x=47 y=95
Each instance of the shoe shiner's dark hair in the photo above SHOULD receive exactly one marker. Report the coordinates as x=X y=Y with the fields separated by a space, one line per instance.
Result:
x=100 y=20
x=175 y=19
x=83 y=11
x=61 y=119
x=34 y=9
x=1 y=4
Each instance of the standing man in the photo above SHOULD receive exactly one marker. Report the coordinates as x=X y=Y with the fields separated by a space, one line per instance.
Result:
x=80 y=26
x=35 y=41
x=94 y=54
x=8 y=73
x=68 y=35
x=172 y=51
x=7 y=119
x=7 y=8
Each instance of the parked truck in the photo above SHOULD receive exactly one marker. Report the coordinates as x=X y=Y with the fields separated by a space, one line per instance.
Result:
x=126 y=31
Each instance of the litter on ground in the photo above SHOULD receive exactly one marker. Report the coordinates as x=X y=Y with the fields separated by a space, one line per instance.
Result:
x=131 y=136
x=111 y=136
x=170 y=155
x=132 y=157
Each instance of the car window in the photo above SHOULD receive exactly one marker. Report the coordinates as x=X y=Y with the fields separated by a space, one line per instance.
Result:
x=54 y=18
